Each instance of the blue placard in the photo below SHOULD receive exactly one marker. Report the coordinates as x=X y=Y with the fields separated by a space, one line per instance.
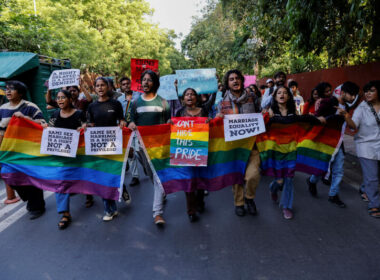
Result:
x=202 y=80
x=167 y=89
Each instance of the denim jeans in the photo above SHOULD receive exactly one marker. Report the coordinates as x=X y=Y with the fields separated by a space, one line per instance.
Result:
x=109 y=206
x=337 y=172
x=63 y=202
x=371 y=181
x=287 y=194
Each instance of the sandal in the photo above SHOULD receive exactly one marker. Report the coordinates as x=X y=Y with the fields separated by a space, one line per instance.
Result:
x=89 y=201
x=374 y=212
x=64 y=222
x=364 y=197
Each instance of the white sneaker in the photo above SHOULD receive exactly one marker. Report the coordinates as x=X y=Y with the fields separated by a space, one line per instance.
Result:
x=109 y=216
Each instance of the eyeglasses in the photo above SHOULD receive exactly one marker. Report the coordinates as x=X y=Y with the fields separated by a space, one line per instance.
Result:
x=9 y=88
x=61 y=97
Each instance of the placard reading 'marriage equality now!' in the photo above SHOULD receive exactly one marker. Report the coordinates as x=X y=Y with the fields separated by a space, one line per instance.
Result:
x=59 y=142
x=103 y=140
x=240 y=126
x=189 y=142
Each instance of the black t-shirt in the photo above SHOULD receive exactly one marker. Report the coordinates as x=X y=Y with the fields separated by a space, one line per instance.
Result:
x=72 y=122
x=106 y=113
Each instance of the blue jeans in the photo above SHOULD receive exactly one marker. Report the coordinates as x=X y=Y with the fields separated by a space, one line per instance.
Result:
x=371 y=181
x=63 y=202
x=109 y=206
x=337 y=172
x=287 y=194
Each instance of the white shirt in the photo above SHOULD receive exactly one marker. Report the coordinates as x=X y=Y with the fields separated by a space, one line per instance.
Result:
x=367 y=139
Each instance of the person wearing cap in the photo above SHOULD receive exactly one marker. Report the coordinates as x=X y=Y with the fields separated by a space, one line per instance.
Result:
x=270 y=83
x=279 y=79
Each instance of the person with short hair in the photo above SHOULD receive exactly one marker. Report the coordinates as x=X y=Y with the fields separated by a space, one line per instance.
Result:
x=279 y=78
x=15 y=92
x=366 y=120
x=331 y=105
x=237 y=101
x=298 y=99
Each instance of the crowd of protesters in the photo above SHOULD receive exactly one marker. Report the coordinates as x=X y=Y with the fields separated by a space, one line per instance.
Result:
x=126 y=108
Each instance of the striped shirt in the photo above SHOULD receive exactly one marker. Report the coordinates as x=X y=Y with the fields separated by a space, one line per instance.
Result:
x=150 y=112
x=25 y=107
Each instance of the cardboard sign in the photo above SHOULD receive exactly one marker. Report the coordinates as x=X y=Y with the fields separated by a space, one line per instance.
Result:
x=240 y=126
x=138 y=66
x=189 y=142
x=59 y=141
x=64 y=78
x=202 y=80
x=103 y=140
x=249 y=80
x=167 y=89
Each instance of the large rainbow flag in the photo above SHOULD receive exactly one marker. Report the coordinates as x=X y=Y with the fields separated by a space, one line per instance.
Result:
x=22 y=164
x=298 y=143
x=227 y=161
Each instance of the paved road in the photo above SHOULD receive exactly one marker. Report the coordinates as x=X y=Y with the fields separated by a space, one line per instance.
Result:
x=322 y=242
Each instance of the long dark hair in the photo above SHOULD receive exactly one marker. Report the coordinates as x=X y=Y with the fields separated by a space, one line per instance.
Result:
x=312 y=100
x=290 y=105
x=227 y=75
x=155 y=79
x=321 y=87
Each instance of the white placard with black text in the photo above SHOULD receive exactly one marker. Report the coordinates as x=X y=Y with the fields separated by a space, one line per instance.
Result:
x=59 y=142
x=240 y=126
x=103 y=140
x=64 y=78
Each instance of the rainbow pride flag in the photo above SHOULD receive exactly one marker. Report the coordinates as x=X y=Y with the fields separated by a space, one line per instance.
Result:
x=227 y=161
x=298 y=143
x=22 y=164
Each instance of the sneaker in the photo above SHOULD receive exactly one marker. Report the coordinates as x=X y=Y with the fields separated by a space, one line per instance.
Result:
x=251 y=206
x=312 y=187
x=109 y=216
x=336 y=200
x=135 y=181
x=287 y=213
x=158 y=220
x=239 y=211
x=126 y=196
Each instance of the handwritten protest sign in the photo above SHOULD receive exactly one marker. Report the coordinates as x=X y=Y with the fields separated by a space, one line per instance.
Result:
x=202 y=80
x=167 y=89
x=59 y=142
x=189 y=142
x=240 y=126
x=64 y=78
x=249 y=80
x=103 y=141
x=138 y=66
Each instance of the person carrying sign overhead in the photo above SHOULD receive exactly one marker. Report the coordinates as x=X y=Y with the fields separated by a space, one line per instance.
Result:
x=238 y=101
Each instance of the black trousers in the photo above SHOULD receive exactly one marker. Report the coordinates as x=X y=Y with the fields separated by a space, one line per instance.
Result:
x=195 y=200
x=34 y=197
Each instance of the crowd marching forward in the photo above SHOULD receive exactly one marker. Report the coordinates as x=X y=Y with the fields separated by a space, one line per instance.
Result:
x=125 y=108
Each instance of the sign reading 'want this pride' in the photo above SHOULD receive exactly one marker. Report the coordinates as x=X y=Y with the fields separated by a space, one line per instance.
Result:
x=189 y=142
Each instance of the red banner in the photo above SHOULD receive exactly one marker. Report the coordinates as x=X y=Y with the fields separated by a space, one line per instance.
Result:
x=138 y=66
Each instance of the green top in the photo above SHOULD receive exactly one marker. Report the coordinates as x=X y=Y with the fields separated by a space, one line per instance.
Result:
x=155 y=111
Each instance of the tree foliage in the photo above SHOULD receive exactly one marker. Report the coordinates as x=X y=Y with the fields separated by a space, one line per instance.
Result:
x=101 y=36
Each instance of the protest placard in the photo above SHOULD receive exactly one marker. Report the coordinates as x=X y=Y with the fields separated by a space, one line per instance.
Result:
x=167 y=89
x=103 y=140
x=202 y=80
x=249 y=80
x=59 y=142
x=138 y=66
x=189 y=142
x=240 y=126
x=64 y=78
